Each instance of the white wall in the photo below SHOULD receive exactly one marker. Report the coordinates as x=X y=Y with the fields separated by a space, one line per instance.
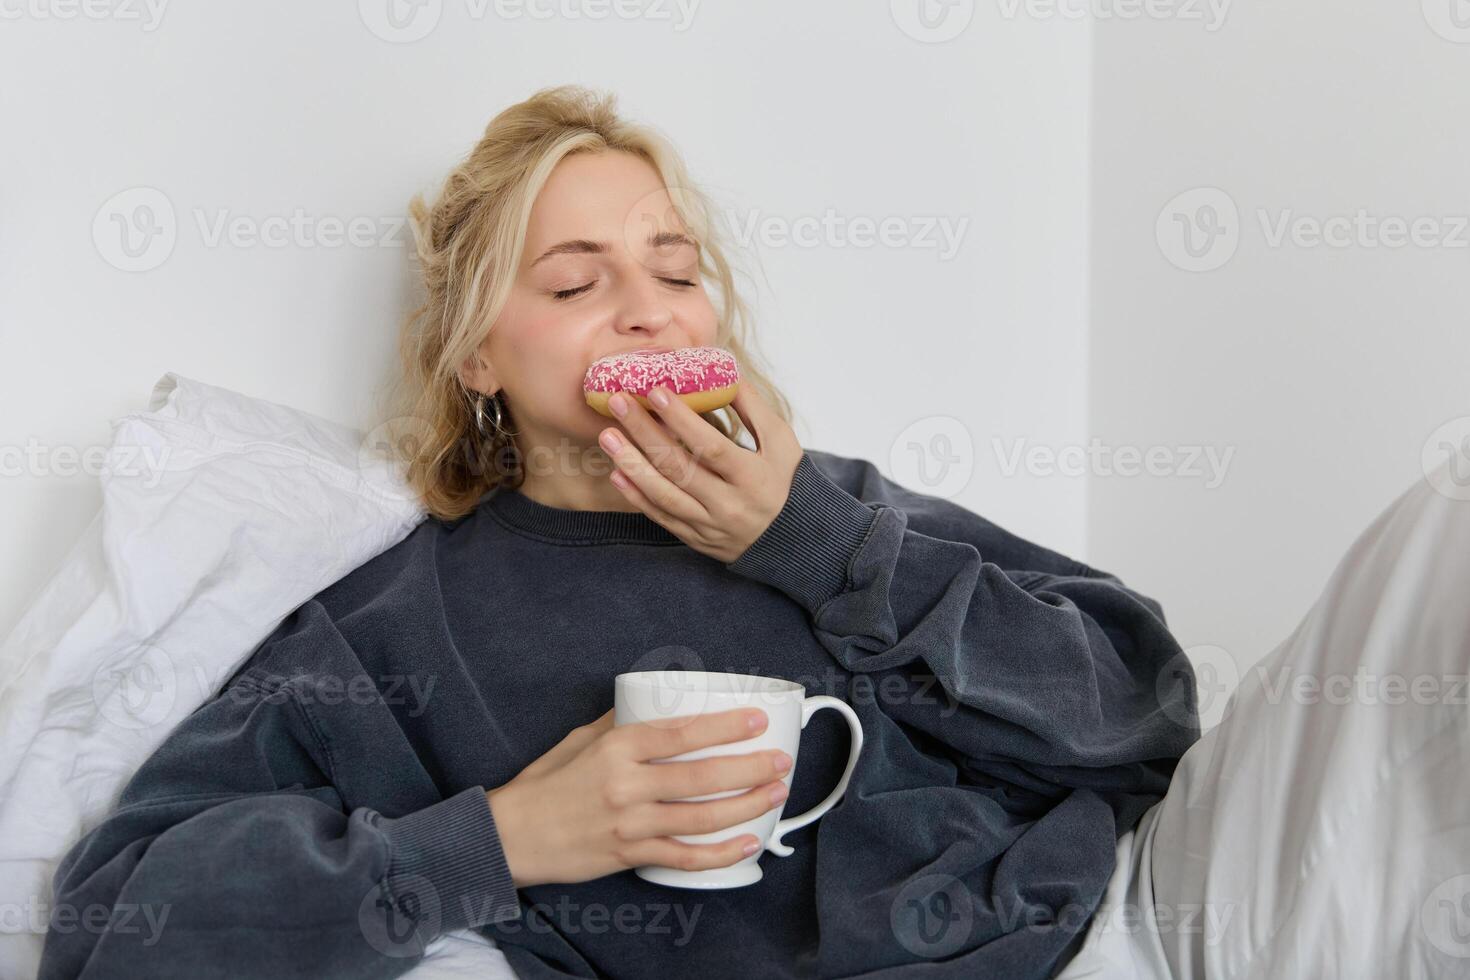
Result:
x=785 y=110
x=1056 y=146
x=1325 y=369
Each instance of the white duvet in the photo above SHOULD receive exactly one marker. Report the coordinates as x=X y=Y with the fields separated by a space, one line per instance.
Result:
x=220 y=514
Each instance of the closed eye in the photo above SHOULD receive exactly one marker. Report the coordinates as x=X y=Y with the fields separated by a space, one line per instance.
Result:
x=569 y=293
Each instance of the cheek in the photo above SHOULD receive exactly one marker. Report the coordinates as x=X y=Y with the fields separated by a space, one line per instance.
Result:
x=539 y=339
x=538 y=359
x=702 y=319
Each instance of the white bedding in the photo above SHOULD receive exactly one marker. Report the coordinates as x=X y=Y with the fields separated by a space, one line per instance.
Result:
x=221 y=514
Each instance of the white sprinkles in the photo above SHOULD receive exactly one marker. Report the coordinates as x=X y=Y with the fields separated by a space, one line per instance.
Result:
x=682 y=370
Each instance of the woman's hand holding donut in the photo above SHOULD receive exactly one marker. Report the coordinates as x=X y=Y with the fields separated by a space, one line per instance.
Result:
x=716 y=496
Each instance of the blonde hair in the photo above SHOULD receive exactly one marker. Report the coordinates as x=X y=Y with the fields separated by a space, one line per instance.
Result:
x=469 y=245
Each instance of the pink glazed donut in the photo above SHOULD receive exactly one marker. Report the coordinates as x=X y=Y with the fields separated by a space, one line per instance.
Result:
x=704 y=378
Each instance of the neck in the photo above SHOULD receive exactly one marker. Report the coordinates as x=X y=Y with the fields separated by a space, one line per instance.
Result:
x=572 y=480
x=595 y=524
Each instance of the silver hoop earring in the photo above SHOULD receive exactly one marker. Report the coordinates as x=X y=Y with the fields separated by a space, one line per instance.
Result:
x=496 y=411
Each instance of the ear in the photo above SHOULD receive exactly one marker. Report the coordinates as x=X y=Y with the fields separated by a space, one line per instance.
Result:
x=478 y=375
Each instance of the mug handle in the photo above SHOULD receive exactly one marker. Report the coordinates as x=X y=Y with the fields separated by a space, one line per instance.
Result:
x=809 y=707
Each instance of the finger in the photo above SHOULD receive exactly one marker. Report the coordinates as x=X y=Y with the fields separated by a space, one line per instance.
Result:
x=659 y=489
x=662 y=737
x=699 y=777
x=661 y=448
x=707 y=817
x=708 y=447
x=756 y=414
x=669 y=853
x=639 y=499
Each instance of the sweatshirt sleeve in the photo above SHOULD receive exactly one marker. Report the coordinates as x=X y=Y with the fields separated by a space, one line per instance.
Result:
x=231 y=850
x=1050 y=679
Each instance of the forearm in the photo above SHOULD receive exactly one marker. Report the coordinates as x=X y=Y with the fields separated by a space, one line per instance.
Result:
x=275 y=885
x=232 y=849
x=1044 y=669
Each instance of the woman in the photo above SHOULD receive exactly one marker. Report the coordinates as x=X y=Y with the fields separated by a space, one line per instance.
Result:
x=426 y=745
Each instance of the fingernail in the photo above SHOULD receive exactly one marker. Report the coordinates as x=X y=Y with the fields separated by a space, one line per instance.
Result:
x=619 y=404
x=783 y=761
x=611 y=442
x=751 y=847
x=659 y=397
x=778 y=792
x=756 y=720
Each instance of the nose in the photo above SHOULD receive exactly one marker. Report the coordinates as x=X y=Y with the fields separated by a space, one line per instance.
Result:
x=641 y=305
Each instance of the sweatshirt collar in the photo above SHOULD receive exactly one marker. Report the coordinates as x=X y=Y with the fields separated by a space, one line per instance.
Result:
x=514 y=509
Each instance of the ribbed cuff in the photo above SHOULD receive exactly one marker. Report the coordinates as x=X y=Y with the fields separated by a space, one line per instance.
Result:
x=807 y=551
x=454 y=846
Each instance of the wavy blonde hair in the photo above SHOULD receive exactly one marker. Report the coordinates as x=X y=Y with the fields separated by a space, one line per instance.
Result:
x=469 y=244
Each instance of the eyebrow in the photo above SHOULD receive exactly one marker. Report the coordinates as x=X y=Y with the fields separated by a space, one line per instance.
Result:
x=577 y=246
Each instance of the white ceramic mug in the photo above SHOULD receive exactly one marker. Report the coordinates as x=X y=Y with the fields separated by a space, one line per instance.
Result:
x=657 y=695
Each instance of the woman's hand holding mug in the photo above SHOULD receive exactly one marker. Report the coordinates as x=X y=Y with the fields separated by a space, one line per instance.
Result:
x=592 y=805
x=687 y=696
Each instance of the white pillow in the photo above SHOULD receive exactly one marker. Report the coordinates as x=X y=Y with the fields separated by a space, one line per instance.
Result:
x=221 y=514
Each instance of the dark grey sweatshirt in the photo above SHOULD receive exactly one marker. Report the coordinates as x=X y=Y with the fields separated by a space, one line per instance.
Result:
x=325 y=816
